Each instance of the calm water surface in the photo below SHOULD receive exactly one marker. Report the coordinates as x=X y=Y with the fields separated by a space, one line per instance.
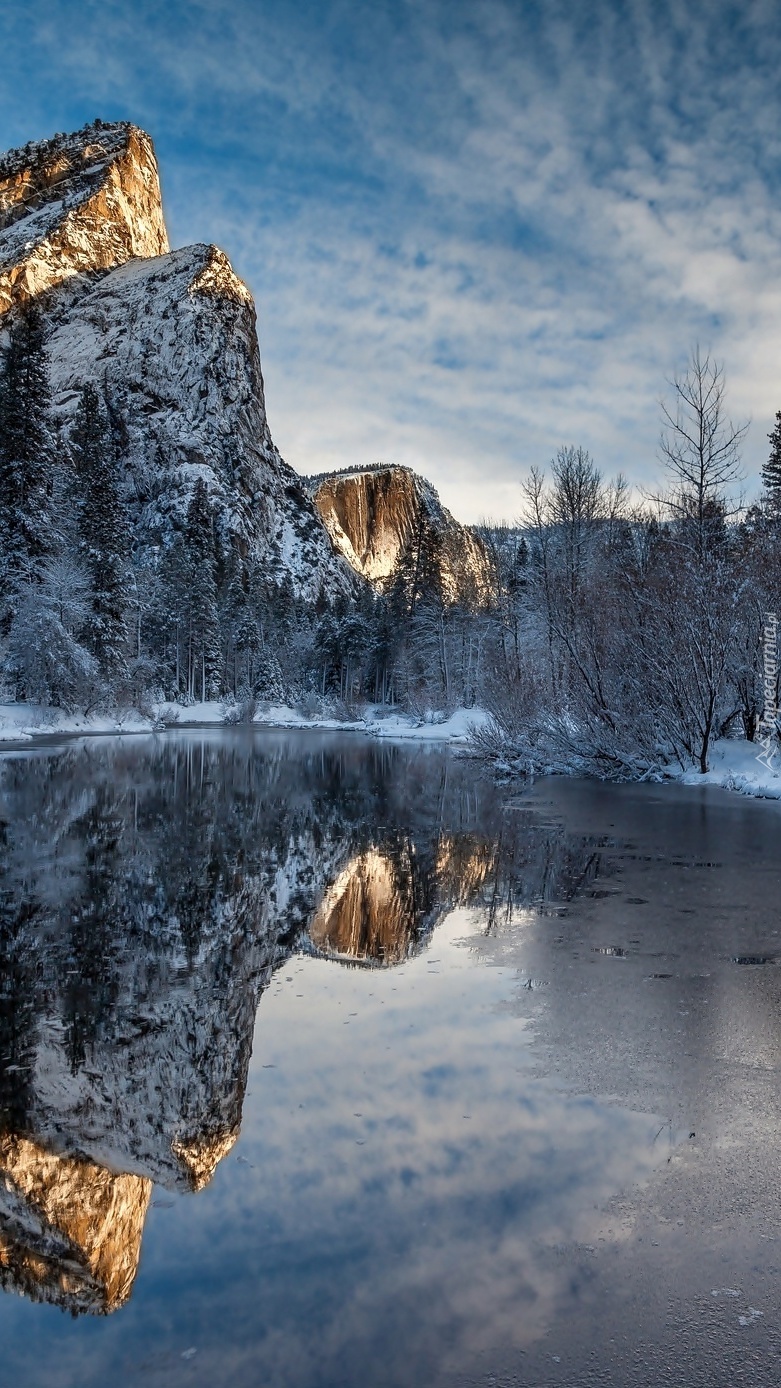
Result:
x=325 y=1063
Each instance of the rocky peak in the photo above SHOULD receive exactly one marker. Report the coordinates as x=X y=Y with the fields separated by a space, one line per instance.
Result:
x=70 y=1231
x=168 y=338
x=372 y=513
x=76 y=204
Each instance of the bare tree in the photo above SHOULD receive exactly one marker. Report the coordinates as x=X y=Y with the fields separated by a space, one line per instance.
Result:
x=700 y=445
x=693 y=627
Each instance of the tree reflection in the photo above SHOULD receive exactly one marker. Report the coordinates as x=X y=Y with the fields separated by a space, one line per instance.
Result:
x=148 y=892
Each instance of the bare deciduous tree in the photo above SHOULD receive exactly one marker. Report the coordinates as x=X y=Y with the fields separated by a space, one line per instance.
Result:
x=700 y=445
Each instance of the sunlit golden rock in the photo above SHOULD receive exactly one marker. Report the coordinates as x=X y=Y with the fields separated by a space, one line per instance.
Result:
x=76 y=204
x=386 y=900
x=70 y=1231
x=373 y=513
x=369 y=912
x=200 y=1156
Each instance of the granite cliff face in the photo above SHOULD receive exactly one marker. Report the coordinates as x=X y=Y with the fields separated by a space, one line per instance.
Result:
x=75 y=205
x=386 y=901
x=373 y=513
x=168 y=338
x=172 y=341
x=70 y=1231
x=375 y=912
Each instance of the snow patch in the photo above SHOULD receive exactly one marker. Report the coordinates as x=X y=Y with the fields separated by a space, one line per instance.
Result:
x=26 y=722
x=734 y=766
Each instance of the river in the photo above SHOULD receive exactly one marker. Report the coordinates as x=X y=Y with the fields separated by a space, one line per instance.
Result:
x=328 y=1062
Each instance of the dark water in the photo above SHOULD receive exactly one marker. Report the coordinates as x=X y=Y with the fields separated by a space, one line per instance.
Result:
x=322 y=1063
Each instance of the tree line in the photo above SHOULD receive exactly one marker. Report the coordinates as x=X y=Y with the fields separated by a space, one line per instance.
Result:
x=635 y=638
x=617 y=635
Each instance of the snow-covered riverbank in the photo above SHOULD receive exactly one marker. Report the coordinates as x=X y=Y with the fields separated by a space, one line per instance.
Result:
x=734 y=765
x=30 y=722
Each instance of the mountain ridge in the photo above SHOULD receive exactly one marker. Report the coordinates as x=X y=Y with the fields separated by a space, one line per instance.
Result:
x=75 y=205
x=168 y=337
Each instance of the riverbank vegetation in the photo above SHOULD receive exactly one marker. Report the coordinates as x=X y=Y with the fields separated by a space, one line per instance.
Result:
x=621 y=634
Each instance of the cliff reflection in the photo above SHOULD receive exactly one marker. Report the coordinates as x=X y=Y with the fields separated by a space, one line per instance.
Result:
x=148 y=892
x=70 y=1231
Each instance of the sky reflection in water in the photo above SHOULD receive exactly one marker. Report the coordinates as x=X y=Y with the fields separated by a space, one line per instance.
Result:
x=405 y=1198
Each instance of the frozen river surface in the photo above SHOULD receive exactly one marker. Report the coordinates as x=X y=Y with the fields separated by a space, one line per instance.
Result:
x=328 y=1064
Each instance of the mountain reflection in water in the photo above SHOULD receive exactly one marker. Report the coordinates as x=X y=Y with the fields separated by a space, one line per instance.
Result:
x=148 y=893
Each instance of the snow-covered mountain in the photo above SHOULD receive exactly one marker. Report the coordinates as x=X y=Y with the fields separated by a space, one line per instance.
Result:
x=170 y=340
x=373 y=513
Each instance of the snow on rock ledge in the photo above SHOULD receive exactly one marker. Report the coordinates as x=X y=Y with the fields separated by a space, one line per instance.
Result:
x=172 y=342
x=76 y=204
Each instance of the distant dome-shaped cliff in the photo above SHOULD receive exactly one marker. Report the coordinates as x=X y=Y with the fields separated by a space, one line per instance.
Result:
x=373 y=513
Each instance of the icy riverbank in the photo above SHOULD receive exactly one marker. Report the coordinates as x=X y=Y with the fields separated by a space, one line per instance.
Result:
x=29 y=722
x=734 y=765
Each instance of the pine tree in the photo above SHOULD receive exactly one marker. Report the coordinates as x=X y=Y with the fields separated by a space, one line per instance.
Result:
x=170 y=617
x=26 y=455
x=43 y=650
x=104 y=534
x=269 y=683
x=204 y=629
x=771 y=472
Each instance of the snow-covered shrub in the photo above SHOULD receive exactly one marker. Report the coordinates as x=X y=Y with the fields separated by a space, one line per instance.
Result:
x=43 y=657
x=240 y=712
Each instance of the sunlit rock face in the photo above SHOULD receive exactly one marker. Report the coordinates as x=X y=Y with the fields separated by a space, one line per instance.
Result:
x=386 y=901
x=74 y=205
x=169 y=339
x=372 y=514
x=70 y=1231
x=369 y=516
x=372 y=912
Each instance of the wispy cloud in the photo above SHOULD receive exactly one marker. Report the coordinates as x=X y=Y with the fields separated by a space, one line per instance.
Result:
x=475 y=231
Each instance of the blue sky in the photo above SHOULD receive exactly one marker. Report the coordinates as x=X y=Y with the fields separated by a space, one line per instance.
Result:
x=475 y=231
